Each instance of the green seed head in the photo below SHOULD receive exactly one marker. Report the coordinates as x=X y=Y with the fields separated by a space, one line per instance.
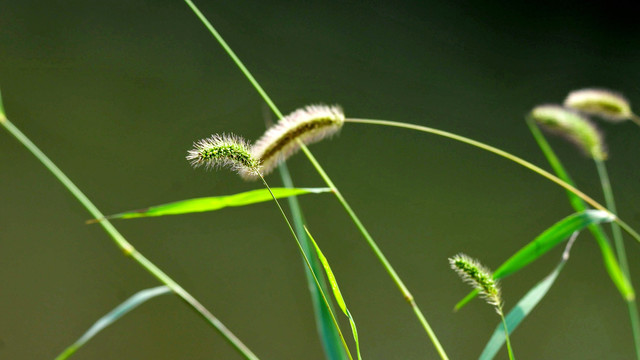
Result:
x=224 y=151
x=307 y=125
x=600 y=102
x=573 y=126
x=481 y=278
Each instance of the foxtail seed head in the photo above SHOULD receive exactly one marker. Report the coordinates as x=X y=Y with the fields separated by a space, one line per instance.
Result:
x=600 y=102
x=572 y=126
x=481 y=278
x=309 y=124
x=224 y=150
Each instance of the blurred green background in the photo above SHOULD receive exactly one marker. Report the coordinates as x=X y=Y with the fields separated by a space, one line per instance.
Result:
x=115 y=92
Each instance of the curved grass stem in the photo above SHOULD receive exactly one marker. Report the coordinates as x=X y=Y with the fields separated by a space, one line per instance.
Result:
x=126 y=247
x=505 y=155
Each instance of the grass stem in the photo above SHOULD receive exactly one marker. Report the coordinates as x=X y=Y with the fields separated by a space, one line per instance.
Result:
x=123 y=244
x=620 y=251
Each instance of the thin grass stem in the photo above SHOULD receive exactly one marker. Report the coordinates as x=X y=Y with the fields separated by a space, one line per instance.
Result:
x=306 y=260
x=234 y=57
x=620 y=251
x=405 y=292
x=506 y=334
x=329 y=336
x=123 y=244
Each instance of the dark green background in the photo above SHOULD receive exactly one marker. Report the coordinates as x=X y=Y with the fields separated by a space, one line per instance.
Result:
x=115 y=92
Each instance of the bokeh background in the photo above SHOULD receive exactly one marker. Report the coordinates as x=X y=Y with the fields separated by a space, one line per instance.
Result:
x=115 y=92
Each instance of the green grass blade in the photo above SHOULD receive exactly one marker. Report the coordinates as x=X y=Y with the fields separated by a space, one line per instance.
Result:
x=111 y=317
x=336 y=291
x=610 y=262
x=523 y=308
x=545 y=242
x=213 y=203
x=329 y=336
x=550 y=238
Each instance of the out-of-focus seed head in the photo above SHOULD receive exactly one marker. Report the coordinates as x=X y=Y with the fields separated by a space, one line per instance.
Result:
x=573 y=126
x=606 y=104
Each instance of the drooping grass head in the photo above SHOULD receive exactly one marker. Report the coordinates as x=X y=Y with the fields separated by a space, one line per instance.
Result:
x=573 y=126
x=307 y=125
x=226 y=150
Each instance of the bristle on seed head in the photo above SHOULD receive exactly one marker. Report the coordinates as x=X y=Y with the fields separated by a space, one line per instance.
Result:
x=226 y=150
x=573 y=126
x=308 y=125
x=606 y=104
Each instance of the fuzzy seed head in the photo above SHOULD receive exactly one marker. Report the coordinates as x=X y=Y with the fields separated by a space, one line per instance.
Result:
x=224 y=150
x=481 y=278
x=573 y=126
x=600 y=102
x=309 y=125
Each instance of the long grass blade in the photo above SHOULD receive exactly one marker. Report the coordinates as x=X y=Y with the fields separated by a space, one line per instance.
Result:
x=336 y=291
x=545 y=242
x=134 y=301
x=213 y=203
x=524 y=307
x=329 y=336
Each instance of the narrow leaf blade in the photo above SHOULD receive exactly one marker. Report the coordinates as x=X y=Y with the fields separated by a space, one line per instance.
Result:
x=111 y=317
x=336 y=292
x=550 y=238
x=545 y=242
x=214 y=202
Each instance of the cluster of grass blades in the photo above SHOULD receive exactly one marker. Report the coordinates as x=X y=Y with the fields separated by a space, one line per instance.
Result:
x=295 y=131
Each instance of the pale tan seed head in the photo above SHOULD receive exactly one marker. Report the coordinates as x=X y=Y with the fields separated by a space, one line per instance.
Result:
x=606 y=104
x=573 y=126
x=307 y=125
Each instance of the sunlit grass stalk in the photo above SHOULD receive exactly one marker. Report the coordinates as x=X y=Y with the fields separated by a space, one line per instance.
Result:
x=399 y=283
x=123 y=244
